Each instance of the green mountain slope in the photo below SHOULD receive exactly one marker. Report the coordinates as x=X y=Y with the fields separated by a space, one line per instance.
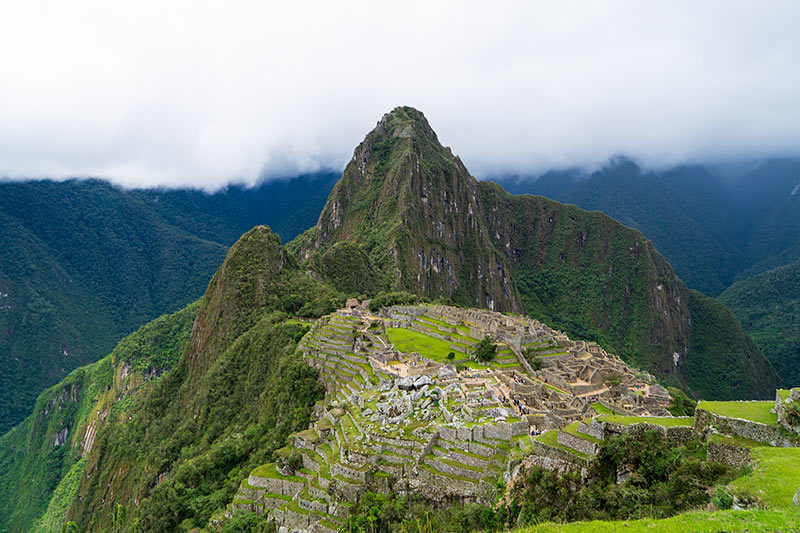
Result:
x=686 y=212
x=713 y=233
x=775 y=240
x=228 y=404
x=42 y=454
x=84 y=263
x=768 y=306
x=409 y=208
x=412 y=209
x=203 y=395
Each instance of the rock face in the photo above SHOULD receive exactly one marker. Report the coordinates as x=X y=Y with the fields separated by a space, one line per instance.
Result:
x=407 y=215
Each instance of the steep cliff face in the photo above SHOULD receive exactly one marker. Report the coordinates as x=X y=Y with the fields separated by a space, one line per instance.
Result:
x=411 y=206
x=411 y=217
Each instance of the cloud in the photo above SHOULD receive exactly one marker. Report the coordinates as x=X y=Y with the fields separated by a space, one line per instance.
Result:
x=203 y=93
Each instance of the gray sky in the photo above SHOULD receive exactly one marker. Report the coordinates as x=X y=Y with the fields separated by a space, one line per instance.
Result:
x=202 y=93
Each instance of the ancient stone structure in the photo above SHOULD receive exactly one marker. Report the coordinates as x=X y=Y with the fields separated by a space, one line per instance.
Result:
x=446 y=427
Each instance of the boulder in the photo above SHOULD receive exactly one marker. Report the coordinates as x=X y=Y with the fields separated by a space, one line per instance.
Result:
x=406 y=383
x=796 y=498
x=421 y=381
x=447 y=372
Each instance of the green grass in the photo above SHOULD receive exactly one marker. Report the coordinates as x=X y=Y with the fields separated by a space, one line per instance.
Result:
x=270 y=471
x=698 y=521
x=601 y=409
x=734 y=441
x=572 y=429
x=754 y=411
x=775 y=478
x=665 y=421
x=550 y=438
x=784 y=393
x=406 y=340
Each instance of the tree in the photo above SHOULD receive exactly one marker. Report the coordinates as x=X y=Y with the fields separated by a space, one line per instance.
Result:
x=485 y=351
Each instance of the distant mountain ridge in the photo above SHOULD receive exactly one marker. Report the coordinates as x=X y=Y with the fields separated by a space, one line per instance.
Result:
x=712 y=232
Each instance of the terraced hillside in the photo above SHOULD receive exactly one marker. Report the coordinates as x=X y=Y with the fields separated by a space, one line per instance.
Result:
x=408 y=410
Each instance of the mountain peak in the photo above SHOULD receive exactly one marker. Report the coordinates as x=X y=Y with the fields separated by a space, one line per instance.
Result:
x=411 y=208
x=406 y=122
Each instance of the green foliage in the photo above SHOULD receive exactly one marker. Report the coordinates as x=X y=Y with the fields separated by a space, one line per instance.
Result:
x=237 y=392
x=390 y=513
x=723 y=499
x=451 y=356
x=681 y=404
x=663 y=480
x=768 y=306
x=243 y=522
x=485 y=350
x=41 y=480
x=347 y=267
x=388 y=299
x=85 y=263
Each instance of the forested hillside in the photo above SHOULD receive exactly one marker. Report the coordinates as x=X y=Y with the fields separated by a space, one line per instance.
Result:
x=84 y=263
x=717 y=233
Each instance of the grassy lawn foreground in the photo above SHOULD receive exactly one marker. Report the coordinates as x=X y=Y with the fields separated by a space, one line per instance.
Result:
x=699 y=521
x=778 y=471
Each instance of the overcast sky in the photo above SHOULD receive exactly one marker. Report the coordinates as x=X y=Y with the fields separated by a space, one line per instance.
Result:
x=203 y=93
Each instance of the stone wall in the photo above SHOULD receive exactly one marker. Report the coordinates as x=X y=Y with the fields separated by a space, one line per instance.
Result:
x=338 y=469
x=747 y=429
x=577 y=443
x=729 y=454
x=436 y=487
x=676 y=434
x=276 y=485
x=543 y=450
x=595 y=429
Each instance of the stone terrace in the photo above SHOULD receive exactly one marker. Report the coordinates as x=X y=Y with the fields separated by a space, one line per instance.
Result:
x=414 y=420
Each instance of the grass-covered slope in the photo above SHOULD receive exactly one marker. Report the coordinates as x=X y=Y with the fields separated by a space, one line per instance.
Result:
x=768 y=306
x=39 y=470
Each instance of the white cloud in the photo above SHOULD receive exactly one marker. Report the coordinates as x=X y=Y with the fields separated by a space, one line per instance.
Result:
x=201 y=93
